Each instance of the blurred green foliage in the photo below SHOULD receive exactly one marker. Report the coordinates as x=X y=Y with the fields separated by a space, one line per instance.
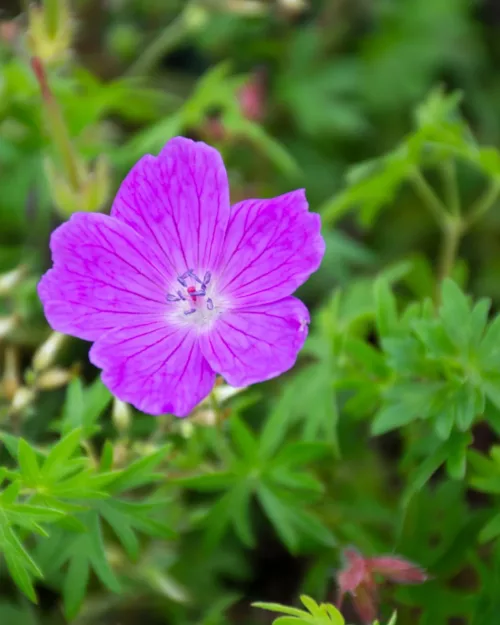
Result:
x=385 y=434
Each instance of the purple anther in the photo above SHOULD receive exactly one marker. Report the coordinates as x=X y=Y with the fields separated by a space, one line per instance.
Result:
x=206 y=278
x=210 y=304
x=181 y=280
x=181 y=296
x=200 y=293
x=194 y=276
x=190 y=312
x=172 y=298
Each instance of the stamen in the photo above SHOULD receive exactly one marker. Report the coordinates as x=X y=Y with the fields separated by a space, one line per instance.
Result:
x=191 y=291
x=194 y=276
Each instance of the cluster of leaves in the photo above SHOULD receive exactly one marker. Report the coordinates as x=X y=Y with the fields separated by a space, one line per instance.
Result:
x=75 y=494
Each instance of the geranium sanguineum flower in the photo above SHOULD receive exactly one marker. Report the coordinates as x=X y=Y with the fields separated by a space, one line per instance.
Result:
x=177 y=285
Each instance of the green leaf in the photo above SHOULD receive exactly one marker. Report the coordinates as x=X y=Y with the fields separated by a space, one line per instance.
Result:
x=73 y=407
x=28 y=464
x=215 y=481
x=55 y=463
x=283 y=609
x=122 y=525
x=280 y=515
x=301 y=452
x=243 y=438
x=386 y=315
x=390 y=418
x=75 y=585
x=139 y=472
x=97 y=398
x=424 y=472
x=290 y=620
x=455 y=313
x=97 y=554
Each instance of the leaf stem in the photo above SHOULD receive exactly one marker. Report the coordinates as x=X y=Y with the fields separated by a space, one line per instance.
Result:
x=449 y=173
x=452 y=234
x=168 y=39
x=429 y=197
x=483 y=203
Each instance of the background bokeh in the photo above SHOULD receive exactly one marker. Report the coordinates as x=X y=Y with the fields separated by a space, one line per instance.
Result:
x=293 y=93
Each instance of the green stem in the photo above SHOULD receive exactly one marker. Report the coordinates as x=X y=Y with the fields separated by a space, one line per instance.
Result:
x=429 y=198
x=449 y=174
x=214 y=404
x=484 y=203
x=167 y=40
x=452 y=235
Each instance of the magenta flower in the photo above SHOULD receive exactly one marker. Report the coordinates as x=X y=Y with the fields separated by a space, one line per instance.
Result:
x=176 y=285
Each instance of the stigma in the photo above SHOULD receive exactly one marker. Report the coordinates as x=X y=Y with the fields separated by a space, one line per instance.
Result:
x=192 y=299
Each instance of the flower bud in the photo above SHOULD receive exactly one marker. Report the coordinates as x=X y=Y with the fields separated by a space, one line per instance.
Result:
x=195 y=16
x=11 y=279
x=11 y=377
x=7 y=324
x=206 y=417
x=23 y=397
x=45 y=354
x=224 y=392
x=293 y=7
x=53 y=378
x=50 y=31
x=186 y=429
x=121 y=415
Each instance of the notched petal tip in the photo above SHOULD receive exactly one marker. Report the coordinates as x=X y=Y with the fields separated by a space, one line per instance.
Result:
x=271 y=248
x=257 y=343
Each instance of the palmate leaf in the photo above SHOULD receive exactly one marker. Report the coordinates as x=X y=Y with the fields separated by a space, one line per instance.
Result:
x=13 y=516
x=83 y=498
x=254 y=470
x=87 y=553
x=316 y=614
x=125 y=519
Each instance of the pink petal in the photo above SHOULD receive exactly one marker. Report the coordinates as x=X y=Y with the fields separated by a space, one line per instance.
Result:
x=103 y=277
x=156 y=368
x=354 y=573
x=179 y=203
x=257 y=343
x=271 y=248
x=397 y=569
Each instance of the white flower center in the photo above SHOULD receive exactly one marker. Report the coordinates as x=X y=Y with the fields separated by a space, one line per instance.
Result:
x=195 y=302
